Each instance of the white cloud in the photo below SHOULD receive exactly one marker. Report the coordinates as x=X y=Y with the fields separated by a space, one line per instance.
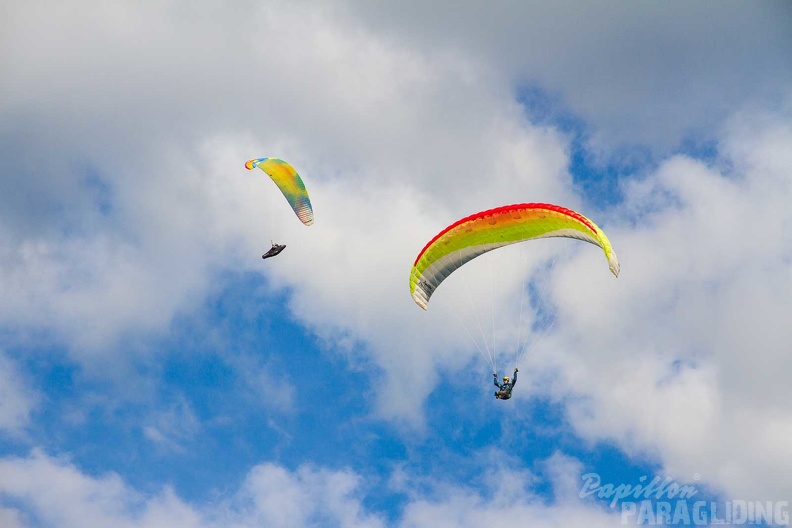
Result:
x=274 y=496
x=641 y=73
x=172 y=428
x=508 y=501
x=59 y=494
x=11 y=518
x=644 y=73
x=56 y=493
x=17 y=399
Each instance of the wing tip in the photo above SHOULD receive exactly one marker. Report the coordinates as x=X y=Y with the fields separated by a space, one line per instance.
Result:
x=613 y=264
x=420 y=298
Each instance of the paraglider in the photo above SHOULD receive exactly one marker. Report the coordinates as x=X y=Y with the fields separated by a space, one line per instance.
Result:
x=293 y=189
x=482 y=232
x=274 y=250
x=290 y=184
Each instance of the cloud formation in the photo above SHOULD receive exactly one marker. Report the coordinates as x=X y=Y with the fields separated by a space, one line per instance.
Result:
x=17 y=398
x=645 y=74
x=54 y=492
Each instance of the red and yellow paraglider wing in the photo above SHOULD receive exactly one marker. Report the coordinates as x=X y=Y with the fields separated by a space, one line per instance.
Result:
x=477 y=234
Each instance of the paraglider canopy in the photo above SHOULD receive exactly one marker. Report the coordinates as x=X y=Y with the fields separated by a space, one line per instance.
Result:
x=290 y=184
x=479 y=233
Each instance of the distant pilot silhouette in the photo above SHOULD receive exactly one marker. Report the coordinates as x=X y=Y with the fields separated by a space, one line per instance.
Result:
x=275 y=250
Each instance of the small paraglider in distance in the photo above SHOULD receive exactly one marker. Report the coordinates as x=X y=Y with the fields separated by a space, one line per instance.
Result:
x=274 y=250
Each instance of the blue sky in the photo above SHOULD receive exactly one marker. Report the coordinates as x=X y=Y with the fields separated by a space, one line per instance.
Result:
x=154 y=371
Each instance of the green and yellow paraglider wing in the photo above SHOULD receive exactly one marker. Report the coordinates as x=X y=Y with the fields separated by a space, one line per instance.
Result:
x=477 y=234
x=290 y=184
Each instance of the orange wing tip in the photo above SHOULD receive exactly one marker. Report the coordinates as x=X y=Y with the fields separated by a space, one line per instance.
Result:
x=249 y=164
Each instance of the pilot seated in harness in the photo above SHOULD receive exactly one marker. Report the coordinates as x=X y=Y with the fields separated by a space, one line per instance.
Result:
x=505 y=389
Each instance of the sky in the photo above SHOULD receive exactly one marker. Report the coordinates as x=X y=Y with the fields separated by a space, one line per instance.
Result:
x=154 y=371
